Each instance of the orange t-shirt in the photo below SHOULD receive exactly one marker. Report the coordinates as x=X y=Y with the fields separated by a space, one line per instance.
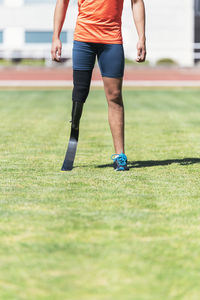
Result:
x=99 y=21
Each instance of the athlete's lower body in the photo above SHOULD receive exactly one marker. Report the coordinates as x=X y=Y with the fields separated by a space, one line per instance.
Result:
x=111 y=62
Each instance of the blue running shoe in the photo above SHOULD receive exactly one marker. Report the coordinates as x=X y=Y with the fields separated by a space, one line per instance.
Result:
x=120 y=162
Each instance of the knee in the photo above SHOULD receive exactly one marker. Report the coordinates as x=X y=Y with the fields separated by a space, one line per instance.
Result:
x=114 y=96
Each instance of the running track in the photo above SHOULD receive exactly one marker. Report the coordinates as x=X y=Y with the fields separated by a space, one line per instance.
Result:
x=62 y=77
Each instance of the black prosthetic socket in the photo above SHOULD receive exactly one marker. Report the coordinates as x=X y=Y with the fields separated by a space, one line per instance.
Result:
x=81 y=80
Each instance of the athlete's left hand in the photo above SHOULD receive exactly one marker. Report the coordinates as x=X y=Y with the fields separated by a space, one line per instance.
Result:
x=141 y=51
x=56 y=49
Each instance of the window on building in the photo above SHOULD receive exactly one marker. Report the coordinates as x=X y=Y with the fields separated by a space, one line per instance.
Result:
x=43 y=37
x=1 y=37
x=197 y=7
x=39 y=1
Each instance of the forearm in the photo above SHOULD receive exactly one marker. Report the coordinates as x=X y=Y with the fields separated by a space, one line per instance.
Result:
x=138 y=10
x=59 y=17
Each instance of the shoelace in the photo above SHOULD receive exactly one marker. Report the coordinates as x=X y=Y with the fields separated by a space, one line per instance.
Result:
x=121 y=158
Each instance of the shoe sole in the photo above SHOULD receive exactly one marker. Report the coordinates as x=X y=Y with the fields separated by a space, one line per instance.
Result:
x=121 y=169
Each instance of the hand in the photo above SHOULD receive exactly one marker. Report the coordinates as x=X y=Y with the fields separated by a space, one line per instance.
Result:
x=141 y=51
x=56 y=49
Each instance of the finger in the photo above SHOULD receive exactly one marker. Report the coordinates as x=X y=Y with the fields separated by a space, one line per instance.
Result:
x=57 y=56
x=143 y=54
x=53 y=54
x=138 y=59
x=139 y=52
x=59 y=51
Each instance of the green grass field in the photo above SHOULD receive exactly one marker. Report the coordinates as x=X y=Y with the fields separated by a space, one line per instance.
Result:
x=93 y=233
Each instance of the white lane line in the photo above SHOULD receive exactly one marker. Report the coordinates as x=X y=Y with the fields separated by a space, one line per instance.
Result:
x=68 y=83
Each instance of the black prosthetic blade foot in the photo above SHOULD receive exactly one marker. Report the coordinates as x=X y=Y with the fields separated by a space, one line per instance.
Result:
x=73 y=141
x=71 y=152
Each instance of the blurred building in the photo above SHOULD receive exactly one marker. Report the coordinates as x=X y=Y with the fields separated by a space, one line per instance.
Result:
x=26 y=28
x=173 y=29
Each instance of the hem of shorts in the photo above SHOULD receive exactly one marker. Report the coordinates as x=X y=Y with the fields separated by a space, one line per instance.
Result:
x=112 y=76
x=103 y=75
x=118 y=42
x=82 y=69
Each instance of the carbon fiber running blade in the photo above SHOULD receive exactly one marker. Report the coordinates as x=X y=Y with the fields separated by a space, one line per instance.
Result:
x=70 y=155
x=73 y=140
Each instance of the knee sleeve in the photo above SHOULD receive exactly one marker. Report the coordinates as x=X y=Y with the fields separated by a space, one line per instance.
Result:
x=81 y=80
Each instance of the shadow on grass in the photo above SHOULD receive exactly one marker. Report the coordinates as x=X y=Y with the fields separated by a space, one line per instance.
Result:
x=154 y=163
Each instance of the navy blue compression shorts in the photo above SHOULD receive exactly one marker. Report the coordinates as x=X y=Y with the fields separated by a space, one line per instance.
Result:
x=110 y=58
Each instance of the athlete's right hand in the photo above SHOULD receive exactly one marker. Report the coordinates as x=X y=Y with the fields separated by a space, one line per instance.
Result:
x=56 y=49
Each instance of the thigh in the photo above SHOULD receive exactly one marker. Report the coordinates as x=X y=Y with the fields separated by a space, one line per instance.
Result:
x=111 y=60
x=83 y=56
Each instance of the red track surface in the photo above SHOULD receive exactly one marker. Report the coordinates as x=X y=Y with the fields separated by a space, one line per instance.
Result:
x=130 y=74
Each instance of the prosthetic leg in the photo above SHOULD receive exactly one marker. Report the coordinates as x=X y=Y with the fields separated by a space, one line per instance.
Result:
x=82 y=81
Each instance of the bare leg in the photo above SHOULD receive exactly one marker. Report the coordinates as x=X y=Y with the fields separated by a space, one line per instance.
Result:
x=113 y=91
